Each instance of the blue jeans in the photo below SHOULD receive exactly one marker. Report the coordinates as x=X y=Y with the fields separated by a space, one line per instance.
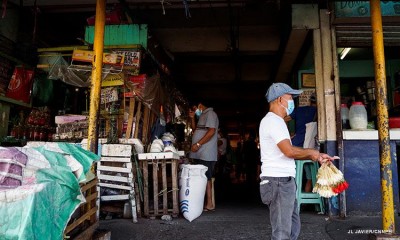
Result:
x=279 y=194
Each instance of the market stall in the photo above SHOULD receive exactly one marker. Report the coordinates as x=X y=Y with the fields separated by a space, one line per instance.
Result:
x=362 y=170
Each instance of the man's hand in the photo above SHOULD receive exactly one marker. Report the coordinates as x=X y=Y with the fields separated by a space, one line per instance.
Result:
x=195 y=148
x=323 y=157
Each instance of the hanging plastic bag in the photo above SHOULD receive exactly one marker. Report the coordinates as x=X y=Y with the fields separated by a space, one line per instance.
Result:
x=20 y=85
x=42 y=91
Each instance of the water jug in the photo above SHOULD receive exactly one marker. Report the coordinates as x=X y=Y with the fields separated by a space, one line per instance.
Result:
x=358 y=116
x=344 y=112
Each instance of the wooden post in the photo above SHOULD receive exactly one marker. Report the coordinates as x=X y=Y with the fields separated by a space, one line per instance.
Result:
x=319 y=85
x=145 y=167
x=130 y=118
x=164 y=186
x=174 y=169
x=146 y=117
x=327 y=67
x=138 y=115
x=155 y=185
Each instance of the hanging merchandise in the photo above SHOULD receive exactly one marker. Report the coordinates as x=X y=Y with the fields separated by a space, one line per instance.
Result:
x=20 y=85
x=159 y=126
x=135 y=85
x=59 y=71
x=330 y=181
x=42 y=91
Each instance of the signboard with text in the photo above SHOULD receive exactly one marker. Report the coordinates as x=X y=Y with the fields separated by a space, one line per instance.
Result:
x=304 y=98
x=362 y=9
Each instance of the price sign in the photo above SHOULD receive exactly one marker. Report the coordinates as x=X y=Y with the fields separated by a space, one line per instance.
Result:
x=304 y=98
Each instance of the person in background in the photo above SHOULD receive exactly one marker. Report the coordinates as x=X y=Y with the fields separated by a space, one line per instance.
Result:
x=222 y=146
x=251 y=156
x=204 y=149
x=302 y=116
x=240 y=166
x=278 y=169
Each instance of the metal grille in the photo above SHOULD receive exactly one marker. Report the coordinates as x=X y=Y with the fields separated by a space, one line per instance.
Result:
x=360 y=35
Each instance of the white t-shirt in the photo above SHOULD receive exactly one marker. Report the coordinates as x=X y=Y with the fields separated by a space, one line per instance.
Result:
x=273 y=130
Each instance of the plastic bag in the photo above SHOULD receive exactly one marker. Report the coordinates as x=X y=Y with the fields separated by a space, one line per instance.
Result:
x=20 y=85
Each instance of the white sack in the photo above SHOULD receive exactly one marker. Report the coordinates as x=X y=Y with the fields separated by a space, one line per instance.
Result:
x=192 y=188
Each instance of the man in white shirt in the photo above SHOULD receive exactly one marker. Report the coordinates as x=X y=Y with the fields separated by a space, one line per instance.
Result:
x=278 y=169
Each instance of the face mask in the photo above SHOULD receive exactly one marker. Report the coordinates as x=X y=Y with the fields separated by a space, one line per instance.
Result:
x=198 y=112
x=290 y=107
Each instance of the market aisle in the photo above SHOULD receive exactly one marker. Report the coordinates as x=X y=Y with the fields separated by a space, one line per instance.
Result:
x=229 y=221
x=241 y=215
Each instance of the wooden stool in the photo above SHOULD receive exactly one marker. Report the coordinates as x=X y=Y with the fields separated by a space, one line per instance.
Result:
x=305 y=197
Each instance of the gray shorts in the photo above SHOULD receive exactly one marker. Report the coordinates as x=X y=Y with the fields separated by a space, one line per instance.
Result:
x=209 y=164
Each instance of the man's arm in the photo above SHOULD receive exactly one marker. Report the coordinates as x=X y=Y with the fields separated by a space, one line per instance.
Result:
x=302 y=153
x=196 y=146
x=287 y=118
x=192 y=119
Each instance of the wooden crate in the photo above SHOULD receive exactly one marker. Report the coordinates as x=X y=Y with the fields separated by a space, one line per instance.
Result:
x=84 y=225
x=160 y=183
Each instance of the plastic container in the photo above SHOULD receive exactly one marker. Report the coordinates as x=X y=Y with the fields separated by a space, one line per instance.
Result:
x=394 y=122
x=358 y=116
x=344 y=112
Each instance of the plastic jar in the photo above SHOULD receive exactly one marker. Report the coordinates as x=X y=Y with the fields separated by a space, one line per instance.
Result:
x=358 y=116
x=344 y=112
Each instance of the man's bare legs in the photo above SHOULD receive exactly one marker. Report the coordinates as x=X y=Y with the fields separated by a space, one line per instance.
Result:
x=308 y=186
x=209 y=204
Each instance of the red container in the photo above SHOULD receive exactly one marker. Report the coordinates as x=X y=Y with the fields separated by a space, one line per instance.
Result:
x=394 y=122
x=112 y=17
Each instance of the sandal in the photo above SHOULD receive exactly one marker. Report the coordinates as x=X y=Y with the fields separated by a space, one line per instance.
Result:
x=209 y=209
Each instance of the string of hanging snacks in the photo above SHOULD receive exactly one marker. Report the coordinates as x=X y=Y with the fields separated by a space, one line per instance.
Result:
x=330 y=181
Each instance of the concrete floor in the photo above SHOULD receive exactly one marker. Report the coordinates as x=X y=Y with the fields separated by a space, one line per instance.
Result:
x=240 y=215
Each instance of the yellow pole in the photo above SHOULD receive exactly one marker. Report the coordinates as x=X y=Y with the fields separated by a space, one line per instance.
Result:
x=96 y=75
x=382 y=112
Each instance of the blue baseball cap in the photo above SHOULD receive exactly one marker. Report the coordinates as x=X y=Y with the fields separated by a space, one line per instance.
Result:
x=279 y=89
